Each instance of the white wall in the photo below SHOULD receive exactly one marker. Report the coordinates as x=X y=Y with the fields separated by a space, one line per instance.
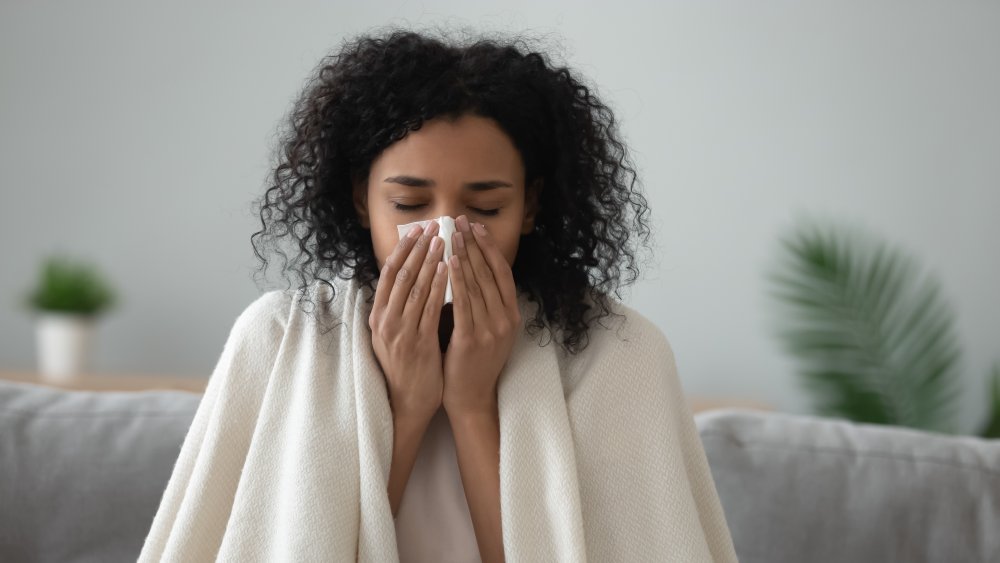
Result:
x=137 y=136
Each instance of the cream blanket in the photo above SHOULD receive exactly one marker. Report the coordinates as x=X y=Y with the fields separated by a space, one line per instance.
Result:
x=288 y=455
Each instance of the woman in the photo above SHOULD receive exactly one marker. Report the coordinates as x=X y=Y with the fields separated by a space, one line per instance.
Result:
x=533 y=418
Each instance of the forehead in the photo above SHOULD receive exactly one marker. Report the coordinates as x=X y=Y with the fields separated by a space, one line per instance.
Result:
x=464 y=149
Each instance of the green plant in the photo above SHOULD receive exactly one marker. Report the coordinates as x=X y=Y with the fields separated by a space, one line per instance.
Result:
x=874 y=342
x=991 y=429
x=68 y=287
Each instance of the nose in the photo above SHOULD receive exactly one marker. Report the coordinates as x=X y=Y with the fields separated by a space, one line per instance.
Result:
x=446 y=208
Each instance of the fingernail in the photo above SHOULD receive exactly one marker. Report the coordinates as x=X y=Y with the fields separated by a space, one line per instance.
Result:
x=435 y=244
x=463 y=223
x=414 y=231
x=459 y=240
x=480 y=228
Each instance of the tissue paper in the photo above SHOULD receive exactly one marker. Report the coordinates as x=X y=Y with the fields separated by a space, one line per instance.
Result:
x=446 y=231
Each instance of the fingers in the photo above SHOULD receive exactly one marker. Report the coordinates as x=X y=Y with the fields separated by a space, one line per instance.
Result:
x=391 y=267
x=406 y=276
x=461 y=307
x=431 y=316
x=502 y=273
x=417 y=297
x=481 y=291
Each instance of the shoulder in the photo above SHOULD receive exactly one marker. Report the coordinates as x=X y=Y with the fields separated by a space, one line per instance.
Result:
x=623 y=346
x=622 y=328
x=267 y=313
x=252 y=345
x=628 y=331
x=293 y=307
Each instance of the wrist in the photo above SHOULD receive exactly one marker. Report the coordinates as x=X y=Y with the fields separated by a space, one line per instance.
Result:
x=411 y=424
x=413 y=412
x=487 y=407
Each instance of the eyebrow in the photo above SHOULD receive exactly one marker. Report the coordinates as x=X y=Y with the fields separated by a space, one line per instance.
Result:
x=427 y=183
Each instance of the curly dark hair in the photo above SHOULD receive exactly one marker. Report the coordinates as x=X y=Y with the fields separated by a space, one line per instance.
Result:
x=380 y=86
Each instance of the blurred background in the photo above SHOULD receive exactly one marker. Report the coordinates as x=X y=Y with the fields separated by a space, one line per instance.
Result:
x=135 y=136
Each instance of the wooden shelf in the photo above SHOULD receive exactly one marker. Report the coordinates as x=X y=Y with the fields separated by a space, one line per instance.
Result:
x=135 y=382
x=114 y=382
x=700 y=404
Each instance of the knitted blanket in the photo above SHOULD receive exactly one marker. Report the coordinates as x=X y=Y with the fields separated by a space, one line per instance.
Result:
x=288 y=455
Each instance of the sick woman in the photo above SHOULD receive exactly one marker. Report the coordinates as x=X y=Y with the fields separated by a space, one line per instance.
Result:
x=368 y=413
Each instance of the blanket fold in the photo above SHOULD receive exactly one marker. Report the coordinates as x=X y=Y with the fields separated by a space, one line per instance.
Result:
x=288 y=455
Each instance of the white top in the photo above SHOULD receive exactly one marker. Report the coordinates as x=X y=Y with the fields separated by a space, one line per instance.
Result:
x=433 y=523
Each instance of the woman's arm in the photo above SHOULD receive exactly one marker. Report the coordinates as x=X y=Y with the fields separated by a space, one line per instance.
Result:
x=487 y=321
x=477 y=444
x=408 y=431
x=404 y=325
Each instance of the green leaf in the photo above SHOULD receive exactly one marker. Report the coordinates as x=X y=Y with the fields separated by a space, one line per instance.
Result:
x=874 y=342
x=992 y=427
x=70 y=287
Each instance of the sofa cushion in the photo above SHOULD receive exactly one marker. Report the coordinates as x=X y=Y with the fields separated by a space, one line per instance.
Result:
x=801 y=488
x=84 y=472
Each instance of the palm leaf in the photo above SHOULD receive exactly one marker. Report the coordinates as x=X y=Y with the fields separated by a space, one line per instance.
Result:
x=874 y=340
x=992 y=427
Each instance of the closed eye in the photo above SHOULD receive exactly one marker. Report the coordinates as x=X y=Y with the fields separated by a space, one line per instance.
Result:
x=488 y=212
x=403 y=207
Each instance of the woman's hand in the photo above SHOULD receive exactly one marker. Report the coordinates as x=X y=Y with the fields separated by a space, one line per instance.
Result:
x=404 y=323
x=487 y=319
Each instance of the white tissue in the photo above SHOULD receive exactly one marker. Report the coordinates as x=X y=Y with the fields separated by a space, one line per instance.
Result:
x=446 y=231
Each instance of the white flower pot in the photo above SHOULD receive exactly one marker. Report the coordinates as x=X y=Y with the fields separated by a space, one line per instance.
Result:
x=64 y=345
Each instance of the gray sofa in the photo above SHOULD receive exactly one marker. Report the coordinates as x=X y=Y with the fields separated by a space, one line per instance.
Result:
x=81 y=475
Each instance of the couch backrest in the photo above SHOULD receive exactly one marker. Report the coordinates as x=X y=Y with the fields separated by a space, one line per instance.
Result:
x=800 y=488
x=82 y=473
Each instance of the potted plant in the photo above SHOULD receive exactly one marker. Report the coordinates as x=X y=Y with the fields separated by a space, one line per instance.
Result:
x=67 y=301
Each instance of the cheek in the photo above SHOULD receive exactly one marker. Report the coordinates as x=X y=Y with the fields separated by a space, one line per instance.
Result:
x=507 y=241
x=510 y=252
x=384 y=241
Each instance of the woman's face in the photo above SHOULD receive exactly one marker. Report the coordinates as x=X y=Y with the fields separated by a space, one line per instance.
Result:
x=465 y=167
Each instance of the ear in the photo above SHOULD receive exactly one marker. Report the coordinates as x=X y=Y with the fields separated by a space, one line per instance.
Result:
x=532 y=196
x=360 y=197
